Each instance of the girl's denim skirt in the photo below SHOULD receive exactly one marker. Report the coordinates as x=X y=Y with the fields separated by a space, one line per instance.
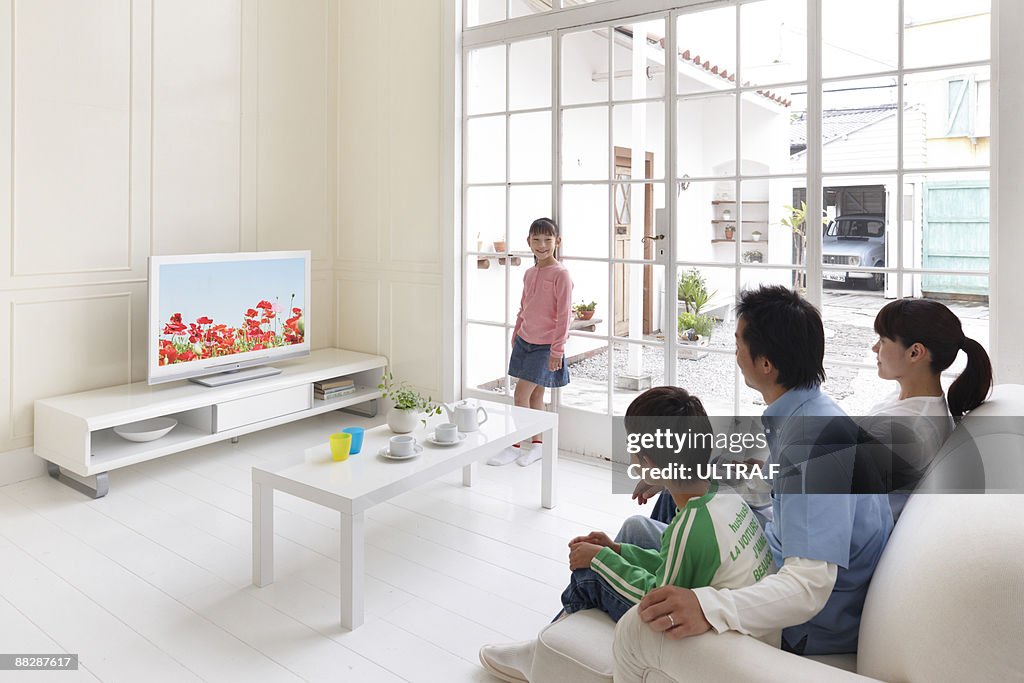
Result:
x=530 y=362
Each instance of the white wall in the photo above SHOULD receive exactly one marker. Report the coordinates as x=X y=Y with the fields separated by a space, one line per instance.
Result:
x=135 y=128
x=389 y=232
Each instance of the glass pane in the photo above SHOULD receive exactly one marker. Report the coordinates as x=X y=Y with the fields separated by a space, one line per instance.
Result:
x=590 y=286
x=587 y=360
x=859 y=37
x=946 y=120
x=644 y=77
x=754 y=277
x=485 y=217
x=530 y=147
x=529 y=73
x=946 y=226
x=705 y=209
x=768 y=218
x=485 y=150
x=706 y=128
x=774 y=44
x=485 y=75
x=484 y=11
x=635 y=369
x=585 y=67
x=584 y=213
x=527 y=203
x=708 y=375
x=638 y=302
x=937 y=32
x=858 y=125
x=639 y=126
x=765 y=139
x=485 y=289
x=797 y=129
x=585 y=144
x=704 y=303
x=707 y=50
x=859 y=231
x=487 y=365
x=522 y=8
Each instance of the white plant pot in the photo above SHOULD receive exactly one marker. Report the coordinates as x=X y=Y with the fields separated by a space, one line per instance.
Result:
x=403 y=421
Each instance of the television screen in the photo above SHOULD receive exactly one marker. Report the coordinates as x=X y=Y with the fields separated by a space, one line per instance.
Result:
x=219 y=312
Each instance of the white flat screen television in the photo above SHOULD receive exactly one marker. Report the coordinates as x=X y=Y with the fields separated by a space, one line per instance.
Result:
x=220 y=313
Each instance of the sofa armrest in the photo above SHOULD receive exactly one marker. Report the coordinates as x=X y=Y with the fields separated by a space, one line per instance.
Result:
x=643 y=655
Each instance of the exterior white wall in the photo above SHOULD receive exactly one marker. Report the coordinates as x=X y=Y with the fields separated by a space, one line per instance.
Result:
x=131 y=129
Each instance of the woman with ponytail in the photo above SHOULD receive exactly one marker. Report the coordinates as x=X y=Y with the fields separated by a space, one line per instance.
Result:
x=917 y=340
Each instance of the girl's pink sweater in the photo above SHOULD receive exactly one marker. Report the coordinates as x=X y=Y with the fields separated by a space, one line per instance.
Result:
x=544 y=311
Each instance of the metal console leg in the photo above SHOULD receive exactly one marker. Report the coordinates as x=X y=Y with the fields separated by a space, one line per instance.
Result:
x=102 y=483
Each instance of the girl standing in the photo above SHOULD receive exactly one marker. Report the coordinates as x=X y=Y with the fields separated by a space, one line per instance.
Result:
x=542 y=326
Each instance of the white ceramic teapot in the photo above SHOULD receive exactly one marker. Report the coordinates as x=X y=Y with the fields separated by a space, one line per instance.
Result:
x=465 y=415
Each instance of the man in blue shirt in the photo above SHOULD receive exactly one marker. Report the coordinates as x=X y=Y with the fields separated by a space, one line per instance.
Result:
x=826 y=544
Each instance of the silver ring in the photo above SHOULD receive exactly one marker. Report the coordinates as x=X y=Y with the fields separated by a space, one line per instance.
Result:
x=671 y=621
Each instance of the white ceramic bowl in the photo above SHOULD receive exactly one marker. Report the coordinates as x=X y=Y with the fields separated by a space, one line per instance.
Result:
x=146 y=430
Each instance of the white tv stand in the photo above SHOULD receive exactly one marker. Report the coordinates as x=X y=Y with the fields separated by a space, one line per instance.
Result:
x=76 y=431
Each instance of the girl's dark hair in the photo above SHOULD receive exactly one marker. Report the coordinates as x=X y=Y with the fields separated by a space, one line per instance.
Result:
x=544 y=226
x=671 y=402
x=935 y=327
x=786 y=329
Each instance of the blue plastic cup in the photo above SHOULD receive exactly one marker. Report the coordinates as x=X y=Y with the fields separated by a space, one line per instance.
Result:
x=357 y=438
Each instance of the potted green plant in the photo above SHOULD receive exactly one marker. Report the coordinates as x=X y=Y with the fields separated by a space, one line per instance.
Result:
x=409 y=404
x=584 y=311
x=753 y=256
x=730 y=230
x=756 y=235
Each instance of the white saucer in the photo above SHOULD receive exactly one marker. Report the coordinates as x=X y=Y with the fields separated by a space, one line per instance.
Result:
x=386 y=453
x=431 y=439
x=146 y=430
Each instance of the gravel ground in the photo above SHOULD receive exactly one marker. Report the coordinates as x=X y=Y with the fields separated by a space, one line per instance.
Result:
x=712 y=373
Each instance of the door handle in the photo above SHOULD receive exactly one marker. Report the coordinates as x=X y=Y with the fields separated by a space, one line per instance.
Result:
x=652 y=237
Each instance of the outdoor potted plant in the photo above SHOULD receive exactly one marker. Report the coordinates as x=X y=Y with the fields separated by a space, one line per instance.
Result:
x=730 y=230
x=499 y=246
x=584 y=311
x=694 y=328
x=753 y=256
x=756 y=235
x=409 y=404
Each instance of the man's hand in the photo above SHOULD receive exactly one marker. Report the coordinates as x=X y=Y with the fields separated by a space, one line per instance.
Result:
x=554 y=364
x=598 y=538
x=582 y=554
x=674 y=611
x=643 y=492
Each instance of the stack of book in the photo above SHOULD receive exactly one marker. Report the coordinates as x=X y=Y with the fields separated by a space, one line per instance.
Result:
x=333 y=388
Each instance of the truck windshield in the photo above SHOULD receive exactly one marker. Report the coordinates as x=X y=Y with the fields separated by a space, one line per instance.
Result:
x=857 y=227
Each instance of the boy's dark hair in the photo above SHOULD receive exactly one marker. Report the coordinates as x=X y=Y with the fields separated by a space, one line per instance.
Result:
x=786 y=329
x=676 y=409
x=935 y=327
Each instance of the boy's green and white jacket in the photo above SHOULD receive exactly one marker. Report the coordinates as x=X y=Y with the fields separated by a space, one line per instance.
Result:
x=714 y=540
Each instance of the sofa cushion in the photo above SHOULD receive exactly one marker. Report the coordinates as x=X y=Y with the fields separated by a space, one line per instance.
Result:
x=946 y=600
x=577 y=648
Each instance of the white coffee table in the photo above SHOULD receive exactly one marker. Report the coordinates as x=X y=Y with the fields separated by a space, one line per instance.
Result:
x=362 y=481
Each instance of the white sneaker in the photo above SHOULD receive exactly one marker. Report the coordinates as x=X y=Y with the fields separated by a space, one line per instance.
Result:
x=530 y=456
x=509 y=662
x=504 y=457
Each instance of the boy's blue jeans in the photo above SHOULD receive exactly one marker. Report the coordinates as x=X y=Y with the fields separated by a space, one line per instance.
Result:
x=587 y=590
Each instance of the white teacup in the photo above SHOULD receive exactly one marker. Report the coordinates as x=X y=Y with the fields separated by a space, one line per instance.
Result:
x=401 y=445
x=446 y=432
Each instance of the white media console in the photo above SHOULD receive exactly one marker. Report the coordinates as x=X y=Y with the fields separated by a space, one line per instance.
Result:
x=76 y=431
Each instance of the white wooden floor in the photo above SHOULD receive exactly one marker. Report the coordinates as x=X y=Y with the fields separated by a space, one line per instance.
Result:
x=153 y=582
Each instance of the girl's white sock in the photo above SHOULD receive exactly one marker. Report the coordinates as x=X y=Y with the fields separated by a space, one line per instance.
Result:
x=506 y=456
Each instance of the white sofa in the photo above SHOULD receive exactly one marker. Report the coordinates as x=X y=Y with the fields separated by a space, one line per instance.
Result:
x=946 y=602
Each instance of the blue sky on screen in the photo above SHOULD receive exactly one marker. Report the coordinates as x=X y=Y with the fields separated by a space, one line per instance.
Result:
x=224 y=290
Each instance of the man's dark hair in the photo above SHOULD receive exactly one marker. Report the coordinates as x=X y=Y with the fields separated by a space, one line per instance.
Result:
x=786 y=329
x=676 y=409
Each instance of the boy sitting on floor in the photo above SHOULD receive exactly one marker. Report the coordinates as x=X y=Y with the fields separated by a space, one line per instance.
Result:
x=713 y=540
